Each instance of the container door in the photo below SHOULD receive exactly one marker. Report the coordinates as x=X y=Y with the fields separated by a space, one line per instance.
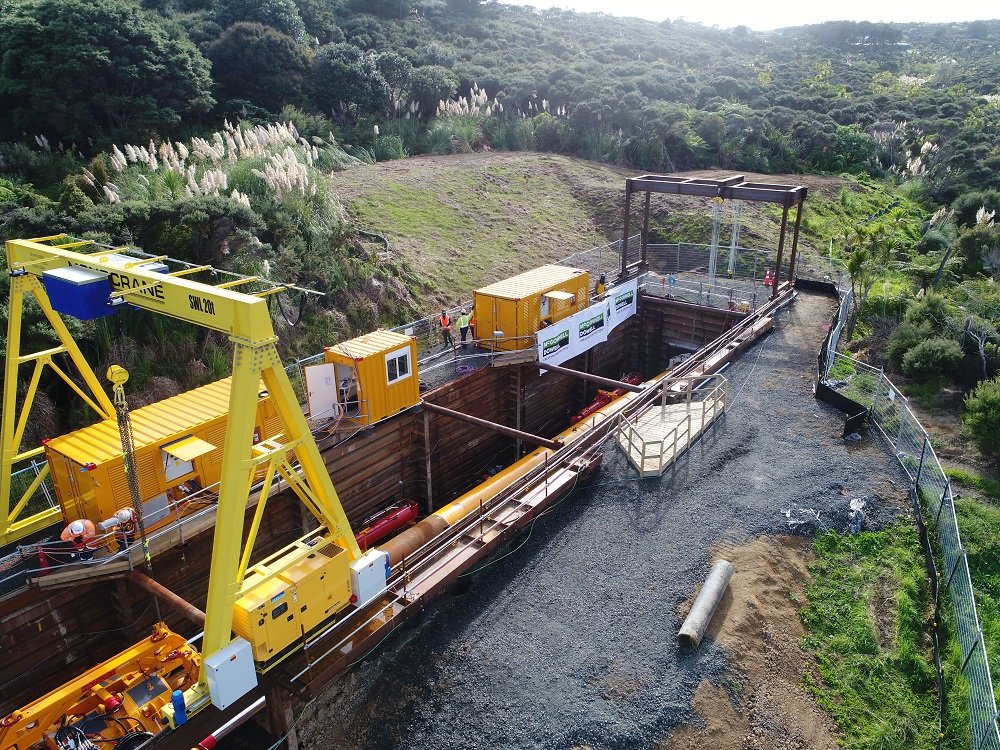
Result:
x=321 y=391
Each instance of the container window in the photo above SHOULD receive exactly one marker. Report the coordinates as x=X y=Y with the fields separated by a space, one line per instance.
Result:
x=397 y=365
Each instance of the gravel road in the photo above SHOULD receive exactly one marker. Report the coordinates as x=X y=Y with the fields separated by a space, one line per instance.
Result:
x=569 y=640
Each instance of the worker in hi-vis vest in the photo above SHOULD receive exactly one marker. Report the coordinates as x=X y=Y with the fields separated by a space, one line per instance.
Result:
x=463 y=325
x=445 y=322
x=80 y=534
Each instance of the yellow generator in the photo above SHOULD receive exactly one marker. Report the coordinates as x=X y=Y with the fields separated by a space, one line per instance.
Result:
x=510 y=312
x=289 y=593
x=178 y=451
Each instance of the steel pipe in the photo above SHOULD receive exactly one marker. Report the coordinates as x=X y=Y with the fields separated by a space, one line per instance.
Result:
x=168 y=597
x=711 y=594
x=606 y=382
x=502 y=429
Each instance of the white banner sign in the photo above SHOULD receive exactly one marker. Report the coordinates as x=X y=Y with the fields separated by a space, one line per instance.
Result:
x=621 y=301
x=584 y=330
x=556 y=343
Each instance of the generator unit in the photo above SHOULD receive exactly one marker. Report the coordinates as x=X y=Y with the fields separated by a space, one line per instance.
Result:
x=299 y=587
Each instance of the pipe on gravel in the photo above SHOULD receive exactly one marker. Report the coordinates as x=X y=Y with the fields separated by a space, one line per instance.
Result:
x=711 y=593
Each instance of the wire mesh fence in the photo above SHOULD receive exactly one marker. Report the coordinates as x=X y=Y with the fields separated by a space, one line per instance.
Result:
x=909 y=441
x=723 y=296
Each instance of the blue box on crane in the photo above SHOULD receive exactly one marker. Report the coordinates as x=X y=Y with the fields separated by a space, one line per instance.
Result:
x=79 y=292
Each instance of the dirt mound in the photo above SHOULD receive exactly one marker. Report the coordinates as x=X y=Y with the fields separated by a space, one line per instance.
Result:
x=758 y=624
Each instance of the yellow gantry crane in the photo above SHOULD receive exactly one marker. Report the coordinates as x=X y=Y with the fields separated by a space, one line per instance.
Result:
x=148 y=284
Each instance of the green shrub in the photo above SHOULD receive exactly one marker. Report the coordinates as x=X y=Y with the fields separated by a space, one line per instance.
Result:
x=933 y=308
x=981 y=418
x=388 y=147
x=906 y=336
x=931 y=358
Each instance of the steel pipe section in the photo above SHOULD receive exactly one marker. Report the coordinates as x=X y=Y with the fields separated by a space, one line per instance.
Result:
x=412 y=539
x=696 y=623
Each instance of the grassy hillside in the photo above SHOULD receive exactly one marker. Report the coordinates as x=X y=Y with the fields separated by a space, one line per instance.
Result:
x=467 y=220
x=458 y=222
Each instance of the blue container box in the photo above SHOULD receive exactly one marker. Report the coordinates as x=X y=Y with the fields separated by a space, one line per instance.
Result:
x=79 y=292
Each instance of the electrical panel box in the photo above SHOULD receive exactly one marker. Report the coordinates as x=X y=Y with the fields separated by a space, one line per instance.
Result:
x=289 y=593
x=368 y=575
x=79 y=292
x=230 y=673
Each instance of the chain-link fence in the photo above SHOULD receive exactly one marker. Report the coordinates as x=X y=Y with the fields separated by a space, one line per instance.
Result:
x=891 y=415
x=722 y=296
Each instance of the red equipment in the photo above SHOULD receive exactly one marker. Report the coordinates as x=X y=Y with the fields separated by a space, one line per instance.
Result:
x=606 y=397
x=385 y=522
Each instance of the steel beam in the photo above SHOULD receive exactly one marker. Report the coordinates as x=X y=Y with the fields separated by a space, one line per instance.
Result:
x=502 y=429
x=168 y=597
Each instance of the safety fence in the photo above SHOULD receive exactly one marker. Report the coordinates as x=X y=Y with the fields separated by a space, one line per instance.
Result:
x=713 y=263
x=723 y=296
x=934 y=501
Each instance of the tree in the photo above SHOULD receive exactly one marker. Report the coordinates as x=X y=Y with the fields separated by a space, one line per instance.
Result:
x=342 y=73
x=261 y=65
x=430 y=84
x=981 y=418
x=96 y=70
x=396 y=70
x=870 y=253
x=282 y=15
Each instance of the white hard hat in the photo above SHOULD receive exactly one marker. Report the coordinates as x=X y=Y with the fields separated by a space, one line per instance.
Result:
x=77 y=527
x=124 y=515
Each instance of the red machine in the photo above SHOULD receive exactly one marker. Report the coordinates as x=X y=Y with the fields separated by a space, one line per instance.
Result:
x=606 y=397
x=385 y=522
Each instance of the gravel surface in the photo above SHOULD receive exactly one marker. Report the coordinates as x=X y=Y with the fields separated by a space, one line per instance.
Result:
x=569 y=640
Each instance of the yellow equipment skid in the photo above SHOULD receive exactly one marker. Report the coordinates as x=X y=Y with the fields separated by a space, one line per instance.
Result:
x=114 y=705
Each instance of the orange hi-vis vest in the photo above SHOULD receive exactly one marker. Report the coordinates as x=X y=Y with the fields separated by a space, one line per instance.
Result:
x=445 y=321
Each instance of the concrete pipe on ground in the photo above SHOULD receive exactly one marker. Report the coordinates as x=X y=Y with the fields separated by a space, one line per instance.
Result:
x=697 y=621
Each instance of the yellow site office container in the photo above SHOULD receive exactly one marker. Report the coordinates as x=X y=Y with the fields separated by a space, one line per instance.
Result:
x=519 y=306
x=291 y=592
x=376 y=374
x=178 y=449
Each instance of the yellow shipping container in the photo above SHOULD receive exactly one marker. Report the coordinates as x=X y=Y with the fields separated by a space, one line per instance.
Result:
x=376 y=374
x=178 y=449
x=521 y=305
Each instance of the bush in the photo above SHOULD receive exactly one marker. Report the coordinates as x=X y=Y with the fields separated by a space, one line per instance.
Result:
x=981 y=418
x=906 y=336
x=934 y=309
x=931 y=358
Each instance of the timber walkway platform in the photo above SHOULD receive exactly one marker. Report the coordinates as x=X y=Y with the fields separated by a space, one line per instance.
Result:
x=656 y=437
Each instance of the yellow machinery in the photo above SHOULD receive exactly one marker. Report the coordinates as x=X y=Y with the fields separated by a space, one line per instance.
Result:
x=291 y=592
x=178 y=450
x=510 y=312
x=114 y=705
x=376 y=374
x=87 y=281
